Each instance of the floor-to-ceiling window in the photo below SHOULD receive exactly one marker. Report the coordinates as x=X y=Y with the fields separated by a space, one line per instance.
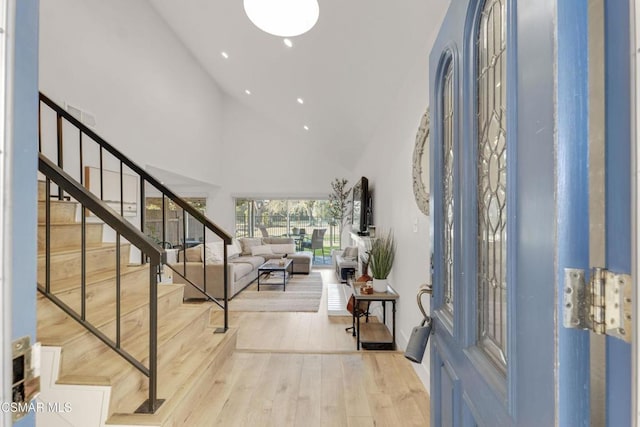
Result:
x=297 y=218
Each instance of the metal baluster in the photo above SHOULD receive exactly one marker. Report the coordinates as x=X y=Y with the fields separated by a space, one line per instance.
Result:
x=47 y=232
x=81 y=160
x=118 y=291
x=184 y=228
x=101 y=176
x=60 y=148
x=143 y=208
x=83 y=263
x=121 y=192
x=153 y=336
x=40 y=126
x=164 y=219
x=204 y=263
x=226 y=292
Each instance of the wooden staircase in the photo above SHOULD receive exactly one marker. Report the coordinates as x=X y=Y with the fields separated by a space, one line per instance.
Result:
x=188 y=350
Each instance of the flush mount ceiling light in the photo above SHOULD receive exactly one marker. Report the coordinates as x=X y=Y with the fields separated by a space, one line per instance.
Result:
x=283 y=18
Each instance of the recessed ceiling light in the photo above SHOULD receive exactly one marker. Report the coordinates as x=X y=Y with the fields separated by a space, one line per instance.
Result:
x=247 y=91
x=300 y=101
x=287 y=42
x=225 y=55
x=305 y=127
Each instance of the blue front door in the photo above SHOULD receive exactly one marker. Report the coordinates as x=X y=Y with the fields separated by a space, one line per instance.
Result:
x=618 y=194
x=493 y=359
x=510 y=103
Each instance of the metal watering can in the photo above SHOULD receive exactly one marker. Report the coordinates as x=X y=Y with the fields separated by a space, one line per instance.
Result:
x=420 y=334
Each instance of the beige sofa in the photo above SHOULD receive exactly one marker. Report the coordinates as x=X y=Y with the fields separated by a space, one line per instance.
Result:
x=244 y=257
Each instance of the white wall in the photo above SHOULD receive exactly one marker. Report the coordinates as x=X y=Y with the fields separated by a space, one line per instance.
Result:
x=388 y=166
x=264 y=160
x=118 y=60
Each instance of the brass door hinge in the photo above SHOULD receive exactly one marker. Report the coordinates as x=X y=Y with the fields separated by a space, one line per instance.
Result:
x=602 y=305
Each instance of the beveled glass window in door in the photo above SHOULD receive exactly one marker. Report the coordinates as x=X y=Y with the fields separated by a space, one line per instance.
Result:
x=492 y=183
x=448 y=170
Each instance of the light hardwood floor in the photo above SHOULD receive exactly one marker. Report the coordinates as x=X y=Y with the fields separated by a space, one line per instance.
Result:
x=301 y=369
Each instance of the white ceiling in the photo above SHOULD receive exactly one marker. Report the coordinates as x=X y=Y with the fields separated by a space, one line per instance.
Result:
x=348 y=68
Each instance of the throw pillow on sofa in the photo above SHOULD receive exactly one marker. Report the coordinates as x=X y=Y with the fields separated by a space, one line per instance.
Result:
x=287 y=248
x=213 y=253
x=193 y=254
x=261 y=250
x=234 y=249
x=350 y=252
x=248 y=243
x=277 y=240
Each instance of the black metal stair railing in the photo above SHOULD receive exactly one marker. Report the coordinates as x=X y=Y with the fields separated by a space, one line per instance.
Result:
x=67 y=126
x=154 y=255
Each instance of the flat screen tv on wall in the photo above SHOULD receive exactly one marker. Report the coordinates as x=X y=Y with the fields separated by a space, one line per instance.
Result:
x=360 y=207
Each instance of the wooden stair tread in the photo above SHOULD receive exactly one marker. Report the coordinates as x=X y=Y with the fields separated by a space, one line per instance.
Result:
x=91 y=380
x=178 y=382
x=69 y=235
x=65 y=203
x=59 y=211
x=68 y=251
x=108 y=364
x=68 y=202
x=70 y=224
x=63 y=329
x=93 y=278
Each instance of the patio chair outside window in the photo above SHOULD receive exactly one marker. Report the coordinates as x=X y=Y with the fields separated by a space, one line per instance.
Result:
x=317 y=241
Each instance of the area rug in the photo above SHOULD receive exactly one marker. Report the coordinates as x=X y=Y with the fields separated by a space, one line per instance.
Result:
x=303 y=294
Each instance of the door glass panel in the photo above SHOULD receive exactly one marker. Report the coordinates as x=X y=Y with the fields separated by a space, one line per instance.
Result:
x=492 y=183
x=448 y=205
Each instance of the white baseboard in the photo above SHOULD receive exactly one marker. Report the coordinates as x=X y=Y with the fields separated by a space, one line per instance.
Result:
x=422 y=370
x=423 y=373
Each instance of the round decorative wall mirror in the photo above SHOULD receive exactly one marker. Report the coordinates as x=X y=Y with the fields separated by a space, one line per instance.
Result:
x=421 y=165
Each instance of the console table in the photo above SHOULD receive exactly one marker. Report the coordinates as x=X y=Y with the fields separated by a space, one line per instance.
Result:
x=375 y=336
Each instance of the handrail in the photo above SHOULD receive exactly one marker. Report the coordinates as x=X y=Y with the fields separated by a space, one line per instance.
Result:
x=144 y=174
x=123 y=228
x=144 y=178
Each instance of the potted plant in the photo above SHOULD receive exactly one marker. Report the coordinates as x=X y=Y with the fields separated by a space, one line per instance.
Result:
x=381 y=256
x=339 y=203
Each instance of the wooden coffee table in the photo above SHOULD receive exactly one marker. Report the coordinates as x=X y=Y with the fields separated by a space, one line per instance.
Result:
x=274 y=265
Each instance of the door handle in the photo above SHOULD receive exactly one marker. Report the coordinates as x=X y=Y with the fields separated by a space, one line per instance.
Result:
x=424 y=289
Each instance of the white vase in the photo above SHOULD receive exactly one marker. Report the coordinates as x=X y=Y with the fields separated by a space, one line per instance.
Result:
x=380 y=285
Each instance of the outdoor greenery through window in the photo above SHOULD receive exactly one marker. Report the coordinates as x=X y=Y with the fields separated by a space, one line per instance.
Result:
x=261 y=217
x=178 y=229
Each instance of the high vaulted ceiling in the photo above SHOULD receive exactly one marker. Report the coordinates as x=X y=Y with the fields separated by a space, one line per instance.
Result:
x=347 y=69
